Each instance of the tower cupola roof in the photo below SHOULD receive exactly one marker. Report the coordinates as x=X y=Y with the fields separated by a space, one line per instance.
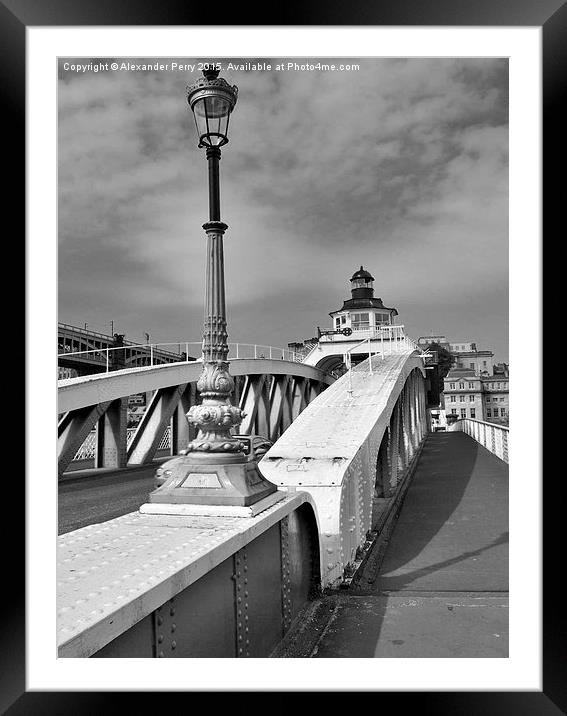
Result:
x=362 y=273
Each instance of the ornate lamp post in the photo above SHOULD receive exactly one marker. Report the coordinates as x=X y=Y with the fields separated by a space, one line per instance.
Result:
x=214 y=469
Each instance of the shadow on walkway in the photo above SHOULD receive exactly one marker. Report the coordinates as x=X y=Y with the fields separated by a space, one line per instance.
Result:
x=441 y=589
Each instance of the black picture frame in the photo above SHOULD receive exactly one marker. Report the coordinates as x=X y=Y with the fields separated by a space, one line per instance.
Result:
x=551 y=16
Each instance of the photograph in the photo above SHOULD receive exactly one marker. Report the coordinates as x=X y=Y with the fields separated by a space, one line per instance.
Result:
x=283 y=357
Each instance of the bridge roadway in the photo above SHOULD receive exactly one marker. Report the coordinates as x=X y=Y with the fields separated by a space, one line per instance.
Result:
x=99 y=495
x=440 y=587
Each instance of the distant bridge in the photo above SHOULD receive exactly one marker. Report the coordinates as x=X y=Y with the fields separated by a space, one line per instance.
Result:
x=88 y=352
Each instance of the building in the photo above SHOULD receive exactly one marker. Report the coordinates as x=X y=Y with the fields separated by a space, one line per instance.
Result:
x=482 y=397
x=425 y=341
x=495 y=396
x=463 y=394
x=468 y=356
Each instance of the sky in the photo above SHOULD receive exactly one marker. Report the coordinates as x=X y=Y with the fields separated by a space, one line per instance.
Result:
x=400 y=166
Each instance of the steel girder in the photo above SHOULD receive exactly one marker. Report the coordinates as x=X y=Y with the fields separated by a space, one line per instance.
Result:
x=271 y=403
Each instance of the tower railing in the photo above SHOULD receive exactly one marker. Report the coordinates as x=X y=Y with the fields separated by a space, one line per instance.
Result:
x=387 y=332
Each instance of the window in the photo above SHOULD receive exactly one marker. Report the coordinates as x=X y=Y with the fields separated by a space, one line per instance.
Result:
x=453 y=399
x=471 y=398
x=471 y=365
x=501 y=400
x=382 y=318
x=462 y=398
x=473 y=413
x=495 y=412
x=471 y=386
x=461 y=386
x=337 y=323
x=463 y=412
x=451 y=386
x=360 y=321
x=489 y=413
x=343 y=319
x=484 y=364
x=487 y=399
x=453 y=411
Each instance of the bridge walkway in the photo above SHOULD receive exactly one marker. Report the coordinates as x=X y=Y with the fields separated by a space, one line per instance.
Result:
x=440 y=587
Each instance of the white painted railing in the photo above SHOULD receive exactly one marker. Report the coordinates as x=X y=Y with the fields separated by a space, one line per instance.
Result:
x=88 y=448
x=386 y=332
x=153 y=351
x=491 y=436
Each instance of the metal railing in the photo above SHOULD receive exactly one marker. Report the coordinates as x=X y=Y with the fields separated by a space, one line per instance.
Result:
x=87 y=450
x=491 y=436
x=387 y=332
x=154 y=351
x=400 y=344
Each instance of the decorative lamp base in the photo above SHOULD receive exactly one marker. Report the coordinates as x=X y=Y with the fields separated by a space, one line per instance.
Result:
x=212 y=479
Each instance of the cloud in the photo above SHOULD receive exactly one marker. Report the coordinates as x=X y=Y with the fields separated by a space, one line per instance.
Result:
x=401 y=166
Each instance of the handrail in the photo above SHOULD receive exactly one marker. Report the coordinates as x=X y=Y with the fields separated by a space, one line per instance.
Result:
x=401 y=338
x=492 y=436
x=153 y=350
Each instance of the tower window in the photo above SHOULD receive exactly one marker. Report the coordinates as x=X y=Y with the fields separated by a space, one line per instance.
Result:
x=360 y=321
x=362 y=283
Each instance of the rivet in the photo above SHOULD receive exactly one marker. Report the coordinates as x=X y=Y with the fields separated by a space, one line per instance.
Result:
x=161 y=654
x=173 y=644
x=173 y=627
x=160 y=621
x=160 y=638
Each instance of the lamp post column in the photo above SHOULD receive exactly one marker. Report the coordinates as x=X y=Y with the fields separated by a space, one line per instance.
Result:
x=214 y=469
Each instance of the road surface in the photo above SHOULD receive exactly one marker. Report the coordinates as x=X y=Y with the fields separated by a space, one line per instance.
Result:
x=86 y=500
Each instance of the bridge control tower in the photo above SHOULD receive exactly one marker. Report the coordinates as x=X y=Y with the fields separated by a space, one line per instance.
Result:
x=362 y=326
x=362 y=312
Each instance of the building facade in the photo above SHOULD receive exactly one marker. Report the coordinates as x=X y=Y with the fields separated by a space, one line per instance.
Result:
x=481 y=397
x=467 y=355
x=495 y=396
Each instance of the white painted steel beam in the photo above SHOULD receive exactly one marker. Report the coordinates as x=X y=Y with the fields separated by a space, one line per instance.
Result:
x=74 y=393
x=152 y=426
x=331 y=451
